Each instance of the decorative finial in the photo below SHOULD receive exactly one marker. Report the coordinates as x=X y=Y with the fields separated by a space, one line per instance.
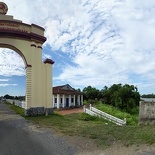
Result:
x=3 y=8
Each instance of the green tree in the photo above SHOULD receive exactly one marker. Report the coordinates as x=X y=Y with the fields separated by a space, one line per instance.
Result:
x=124 y=97
x=91 y=93
x=148 y=95
x=8 y=96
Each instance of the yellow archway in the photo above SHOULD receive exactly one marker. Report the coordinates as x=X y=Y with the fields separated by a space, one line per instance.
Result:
x=27 y=41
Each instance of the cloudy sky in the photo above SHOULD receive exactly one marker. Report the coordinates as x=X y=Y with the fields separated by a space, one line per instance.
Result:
x=93 y=42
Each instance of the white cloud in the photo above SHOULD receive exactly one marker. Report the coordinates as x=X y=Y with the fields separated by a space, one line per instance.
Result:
x=11 y=63
x=120 y=42
x=46 y=56
x=7 y=85
x=107 y=41
x=4 y=80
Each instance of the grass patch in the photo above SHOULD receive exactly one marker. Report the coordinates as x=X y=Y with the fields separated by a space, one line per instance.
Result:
x=15 y=108
x=102 y=132
x=104 y=135
x=131 y=119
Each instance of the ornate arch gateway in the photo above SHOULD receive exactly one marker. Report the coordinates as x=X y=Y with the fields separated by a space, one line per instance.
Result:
x=27 y=41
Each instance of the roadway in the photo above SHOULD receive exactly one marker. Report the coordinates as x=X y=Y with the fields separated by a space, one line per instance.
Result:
x=19 y=137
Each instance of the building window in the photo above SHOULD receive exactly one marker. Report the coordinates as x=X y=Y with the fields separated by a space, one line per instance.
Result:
x=72 y=100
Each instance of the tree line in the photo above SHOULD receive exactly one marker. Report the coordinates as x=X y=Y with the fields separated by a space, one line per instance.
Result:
x=125 y=97
x=148 y=96
x=14 y=97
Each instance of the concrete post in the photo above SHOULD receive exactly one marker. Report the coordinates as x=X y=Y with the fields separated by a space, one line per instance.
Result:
x=69 y=100
x=90 y=106
x=53 y=101
x=84 y=108
x=78 y=99
x=58 y=101
x=63 y=101
x=81 y=99
x=74 y=100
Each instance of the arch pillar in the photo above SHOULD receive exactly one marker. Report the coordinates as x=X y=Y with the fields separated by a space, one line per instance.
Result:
x=27 y=41
x=47 y=85
x=39 y=82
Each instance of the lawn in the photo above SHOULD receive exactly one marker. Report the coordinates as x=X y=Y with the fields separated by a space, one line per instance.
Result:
x=91 y=127
x=104 y=133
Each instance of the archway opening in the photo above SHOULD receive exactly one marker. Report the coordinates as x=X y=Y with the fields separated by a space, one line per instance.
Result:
x=12 y=76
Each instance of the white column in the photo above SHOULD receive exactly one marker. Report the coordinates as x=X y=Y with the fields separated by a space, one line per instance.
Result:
x=74 y=100
x=81 y=99
x=63 y=101
x=53 y=100
x=78 y=99
x=69 y=100
x=58 y=101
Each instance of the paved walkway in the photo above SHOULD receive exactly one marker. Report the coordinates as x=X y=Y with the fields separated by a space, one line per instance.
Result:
x=70 y=111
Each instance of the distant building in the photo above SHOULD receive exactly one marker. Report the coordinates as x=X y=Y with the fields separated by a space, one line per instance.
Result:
x=66 y=96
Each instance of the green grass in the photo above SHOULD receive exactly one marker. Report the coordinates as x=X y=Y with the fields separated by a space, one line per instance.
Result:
x=131 y=119
x=97 y=129
x=102 y=132
x=17 y=109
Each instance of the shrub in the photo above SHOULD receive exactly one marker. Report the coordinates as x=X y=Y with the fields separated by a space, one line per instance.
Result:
x=86 y=117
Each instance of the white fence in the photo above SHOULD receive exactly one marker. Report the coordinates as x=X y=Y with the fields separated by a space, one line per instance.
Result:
x=90 y=112
x=95 y=112
x=17 y=102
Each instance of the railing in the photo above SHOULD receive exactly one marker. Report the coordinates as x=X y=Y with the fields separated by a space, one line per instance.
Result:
x=90 y=112
x=95 y=112
x=16 y=102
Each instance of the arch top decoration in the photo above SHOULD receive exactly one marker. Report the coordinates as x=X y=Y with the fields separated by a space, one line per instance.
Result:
x=10 y=27
x=27 y=41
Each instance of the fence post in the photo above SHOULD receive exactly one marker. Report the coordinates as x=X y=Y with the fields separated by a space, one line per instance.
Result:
x=125 y=120
x=84 y=108
x=90 y=106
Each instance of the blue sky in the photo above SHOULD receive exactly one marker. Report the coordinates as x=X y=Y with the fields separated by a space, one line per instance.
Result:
x=93 y=42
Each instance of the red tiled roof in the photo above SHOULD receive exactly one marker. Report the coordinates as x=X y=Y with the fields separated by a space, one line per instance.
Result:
x=66 y=89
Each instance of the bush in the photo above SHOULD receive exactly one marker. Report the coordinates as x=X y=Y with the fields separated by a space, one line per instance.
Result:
x=92 y=101
x=86 y=117
x=85 y=102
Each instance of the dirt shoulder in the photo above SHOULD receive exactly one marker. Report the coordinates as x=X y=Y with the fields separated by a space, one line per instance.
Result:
x=89 y=147
x=69 y=111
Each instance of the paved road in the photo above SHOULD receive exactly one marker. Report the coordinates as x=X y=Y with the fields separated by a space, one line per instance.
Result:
x=19 y=137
